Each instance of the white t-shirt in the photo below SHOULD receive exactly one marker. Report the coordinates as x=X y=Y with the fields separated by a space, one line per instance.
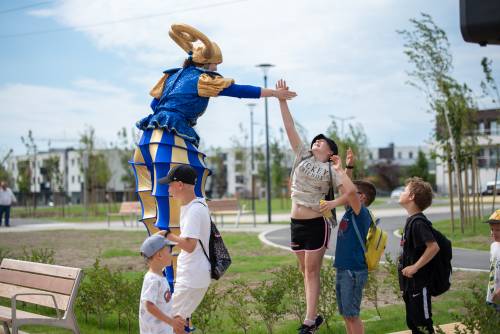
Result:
x=156 y=290
x=193 y=269
x=494 y=278
x=311 y=179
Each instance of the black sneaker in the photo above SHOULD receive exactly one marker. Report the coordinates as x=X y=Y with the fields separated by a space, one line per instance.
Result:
x=304 y=329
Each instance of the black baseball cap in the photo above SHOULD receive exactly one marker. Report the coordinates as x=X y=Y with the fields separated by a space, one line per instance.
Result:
x=331 y=143
x=183 y=173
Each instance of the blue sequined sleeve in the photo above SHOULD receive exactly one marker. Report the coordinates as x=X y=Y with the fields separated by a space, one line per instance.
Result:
x=242 y=91
x=154 y=103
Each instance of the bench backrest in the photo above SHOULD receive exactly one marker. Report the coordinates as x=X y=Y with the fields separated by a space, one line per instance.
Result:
x=229 y=204
x=30 y=277
x=130 y=207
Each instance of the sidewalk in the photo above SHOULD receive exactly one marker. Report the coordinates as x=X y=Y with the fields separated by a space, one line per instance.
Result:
x=246 y=222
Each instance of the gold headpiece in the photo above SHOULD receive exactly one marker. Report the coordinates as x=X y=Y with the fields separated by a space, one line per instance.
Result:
x=206 y=53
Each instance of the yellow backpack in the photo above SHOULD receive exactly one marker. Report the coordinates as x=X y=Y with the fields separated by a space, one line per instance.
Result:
x=376 y=240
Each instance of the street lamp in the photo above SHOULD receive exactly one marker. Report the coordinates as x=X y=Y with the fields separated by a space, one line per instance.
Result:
x=342 y=120
x=265 y=69
x=252 y=170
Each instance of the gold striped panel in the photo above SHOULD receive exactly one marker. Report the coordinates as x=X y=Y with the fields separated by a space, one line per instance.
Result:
x=179 y=155
x=179 y=141
x=153 y=150
x=156 y=136
x=143 y=178
x=138 y=158
x=149 y=203
x=204 y=181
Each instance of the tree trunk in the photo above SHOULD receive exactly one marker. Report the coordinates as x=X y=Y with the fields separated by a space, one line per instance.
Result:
x=474 y=193
x=450 y=192
x=466 y=193
x=495 y=187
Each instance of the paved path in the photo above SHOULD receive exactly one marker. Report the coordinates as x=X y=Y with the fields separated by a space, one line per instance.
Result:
x=392 y=220
x=277 y=235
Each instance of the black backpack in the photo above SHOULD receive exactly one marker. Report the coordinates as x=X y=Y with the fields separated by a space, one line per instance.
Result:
x=219 y=257
x=440 y=263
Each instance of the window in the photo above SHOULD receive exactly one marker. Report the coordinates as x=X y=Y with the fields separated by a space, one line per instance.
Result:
x=400 y=155
x=494 y=128
x=79 y=179
x=72 y=179
x=481 y=127
x=370 y=155
x=72 y=162
x=410 y=155
x=240 y=179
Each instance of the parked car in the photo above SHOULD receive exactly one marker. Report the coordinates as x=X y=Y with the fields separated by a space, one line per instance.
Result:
x=397 y=192
x=490 y=186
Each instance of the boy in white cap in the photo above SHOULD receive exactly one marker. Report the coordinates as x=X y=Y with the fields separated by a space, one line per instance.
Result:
x=155 y=310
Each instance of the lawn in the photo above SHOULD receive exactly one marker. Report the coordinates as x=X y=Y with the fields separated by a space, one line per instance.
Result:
x=473 y=238
x=252 y=261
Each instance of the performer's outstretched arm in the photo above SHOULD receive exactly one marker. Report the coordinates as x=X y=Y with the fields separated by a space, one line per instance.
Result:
x=288 y=122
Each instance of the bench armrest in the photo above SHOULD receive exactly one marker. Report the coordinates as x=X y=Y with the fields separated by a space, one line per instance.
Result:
x=13 y=301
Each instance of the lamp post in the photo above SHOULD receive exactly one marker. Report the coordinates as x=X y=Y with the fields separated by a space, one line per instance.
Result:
x=252 y=170
x=265 y=69
x=342 y=120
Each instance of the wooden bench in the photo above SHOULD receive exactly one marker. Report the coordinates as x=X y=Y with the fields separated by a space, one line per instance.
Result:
x=127 y=209
x=228 y=207
x=42 y=284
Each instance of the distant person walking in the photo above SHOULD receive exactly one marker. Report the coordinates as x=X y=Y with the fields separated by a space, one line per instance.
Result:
x=6 y=199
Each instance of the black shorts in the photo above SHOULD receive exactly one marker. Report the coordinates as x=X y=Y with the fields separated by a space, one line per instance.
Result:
x=309 y=234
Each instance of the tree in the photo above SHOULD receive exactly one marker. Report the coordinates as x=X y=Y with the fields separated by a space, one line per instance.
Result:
x=31 y=151
x=218 y=186
x=421 y=169
x=356 y=139
x=427 y=49
x=4 y=173
x=125 y=148
x=94 y=167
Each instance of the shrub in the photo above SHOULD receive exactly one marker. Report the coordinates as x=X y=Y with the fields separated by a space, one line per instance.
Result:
x=237 y=301
x=268 y=298
x=291 y=280
x=41 y=255
x=328 y=298
x=206 y=319
x=478 y=317
x=372 y=289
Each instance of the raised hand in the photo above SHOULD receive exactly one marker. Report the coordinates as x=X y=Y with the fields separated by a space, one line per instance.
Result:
x=350 y=157
x=283 y=92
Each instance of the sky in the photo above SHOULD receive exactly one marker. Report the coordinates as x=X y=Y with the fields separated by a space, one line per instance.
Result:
x=68 y=65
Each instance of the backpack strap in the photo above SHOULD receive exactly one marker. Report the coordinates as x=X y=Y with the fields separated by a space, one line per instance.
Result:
x=357 y=233
x=201 y=243
x=332 y=190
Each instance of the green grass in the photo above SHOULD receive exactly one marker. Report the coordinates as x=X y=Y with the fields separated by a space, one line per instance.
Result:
x=114 y=252
x=473 y=238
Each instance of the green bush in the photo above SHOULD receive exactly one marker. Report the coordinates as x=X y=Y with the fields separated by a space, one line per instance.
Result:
x=268 y=298
x=206 y=318
x=291 y=280
x=477 y=316
x=328 y=299
x=42 y=255
x=237 y=305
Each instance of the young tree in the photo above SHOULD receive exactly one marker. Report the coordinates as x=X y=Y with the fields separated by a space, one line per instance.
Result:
x=356 y=139
x=427 y=49
x=31 y=152
x=125 y=148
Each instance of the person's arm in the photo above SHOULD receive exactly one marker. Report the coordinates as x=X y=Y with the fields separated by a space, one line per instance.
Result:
x=187 y=244
x=212 y=86
x=432 y=248
x=346 y=188
x=176 y=323
x=291 y=131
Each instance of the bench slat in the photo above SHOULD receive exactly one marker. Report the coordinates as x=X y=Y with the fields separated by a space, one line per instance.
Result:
x=36 y=281
x=8 y=290
x=5 y=314
x=40 y=268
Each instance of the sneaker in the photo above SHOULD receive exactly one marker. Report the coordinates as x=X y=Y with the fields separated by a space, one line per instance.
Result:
x=304 y=329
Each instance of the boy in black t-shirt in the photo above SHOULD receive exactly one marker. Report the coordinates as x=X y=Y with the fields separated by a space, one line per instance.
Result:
x=418 y=248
